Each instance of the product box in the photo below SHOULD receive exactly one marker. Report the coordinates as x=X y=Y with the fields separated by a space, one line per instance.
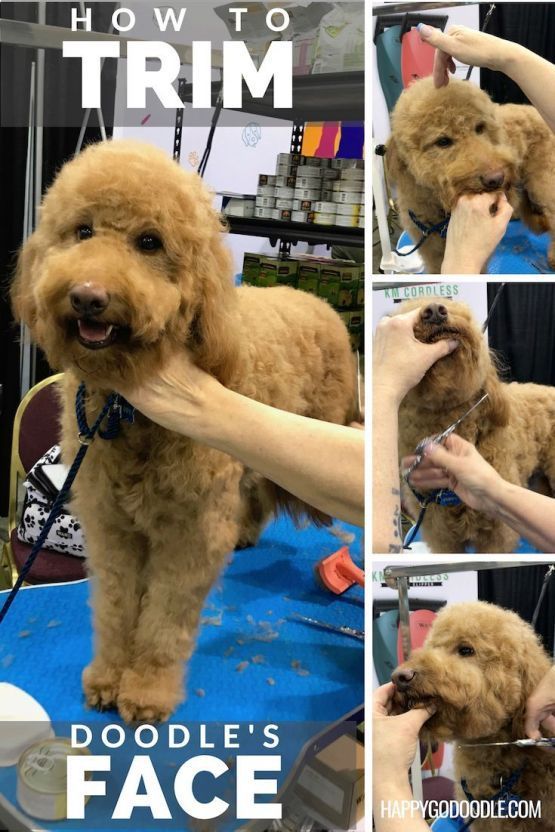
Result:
x=251 y=268
x=346 y=275
x=309 y=277
x=328 y=287
x=360 y=293
x=275 y=271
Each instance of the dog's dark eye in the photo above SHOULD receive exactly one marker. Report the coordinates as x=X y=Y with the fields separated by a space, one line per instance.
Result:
x=444 y=141
x=480 y=127
x=148 y=242
x=465 y=650
x=84 y=232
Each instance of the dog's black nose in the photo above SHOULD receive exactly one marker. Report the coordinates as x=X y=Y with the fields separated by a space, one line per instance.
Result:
x=402 y=678
x=89 y=299
x=434 y=313
x=493 y=179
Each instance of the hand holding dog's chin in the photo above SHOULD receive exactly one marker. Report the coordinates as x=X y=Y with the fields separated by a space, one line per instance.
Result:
x=395 y=735
x=477 y=225
x=400 y=360
x=179 y=397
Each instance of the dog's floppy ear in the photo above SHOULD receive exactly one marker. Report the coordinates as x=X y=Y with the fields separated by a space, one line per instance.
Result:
x=214 y=338
x=498 y=409
x=21 y=290
x=394 y=165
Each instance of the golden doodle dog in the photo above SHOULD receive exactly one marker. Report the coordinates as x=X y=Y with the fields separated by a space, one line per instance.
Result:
x=127 y=266
x=513 y=429
x=477 y=668
x=454 y=140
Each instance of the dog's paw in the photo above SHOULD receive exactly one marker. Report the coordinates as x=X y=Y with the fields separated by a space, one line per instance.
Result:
x=151 y=695
x=101 y=685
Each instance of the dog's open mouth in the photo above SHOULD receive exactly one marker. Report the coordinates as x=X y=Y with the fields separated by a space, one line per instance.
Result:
x=94 y=334
x=438 y=333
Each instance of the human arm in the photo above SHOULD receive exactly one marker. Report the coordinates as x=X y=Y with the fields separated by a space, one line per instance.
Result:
x=319 y=462
x=477 y=225
x=534 y=75
x=400 y=361
x=540 y=708
x=480 y=487
x=394 y=748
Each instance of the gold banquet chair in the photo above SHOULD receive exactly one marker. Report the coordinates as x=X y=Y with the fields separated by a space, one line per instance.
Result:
x=36 y=428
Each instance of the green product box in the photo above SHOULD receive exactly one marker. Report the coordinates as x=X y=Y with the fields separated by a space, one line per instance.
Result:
x=309 y=277
x=268 y=274
x=356 y=329
x=251 y=268
x=275 y=271
x=346 y=276
x=360 y=293
x=356 y=320
x=345 y=317
x=328 y=288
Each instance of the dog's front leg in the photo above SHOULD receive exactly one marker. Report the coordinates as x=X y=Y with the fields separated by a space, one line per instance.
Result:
x=184 y=562
x=115 y=559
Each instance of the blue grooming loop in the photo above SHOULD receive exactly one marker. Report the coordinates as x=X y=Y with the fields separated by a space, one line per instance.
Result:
x=519 y=252
x=47 y=640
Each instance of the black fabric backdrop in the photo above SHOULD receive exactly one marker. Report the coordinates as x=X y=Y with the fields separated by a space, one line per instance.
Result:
x=522 y=330
x=530 y=24
x=518 y=589
x=61 y=106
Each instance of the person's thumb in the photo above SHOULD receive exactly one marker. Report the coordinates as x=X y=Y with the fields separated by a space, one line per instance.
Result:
x=444 y=347
x=417 y=717
x=439 y=456
x=531 y=727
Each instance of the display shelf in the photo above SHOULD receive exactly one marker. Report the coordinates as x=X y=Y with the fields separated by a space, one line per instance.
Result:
x=295 y=232
x=337 y=96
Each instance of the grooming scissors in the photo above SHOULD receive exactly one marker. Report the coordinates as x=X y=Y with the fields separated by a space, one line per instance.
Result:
x=439 y=438
x=544 y=742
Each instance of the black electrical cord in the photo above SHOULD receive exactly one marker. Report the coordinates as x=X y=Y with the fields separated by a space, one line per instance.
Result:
x=215 y=118
x=548 y=575
x=493 y=305
x=483 y=29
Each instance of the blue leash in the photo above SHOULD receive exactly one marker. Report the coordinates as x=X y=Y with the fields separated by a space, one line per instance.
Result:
x=442 y=497
x=116 y=410
x=439 y=228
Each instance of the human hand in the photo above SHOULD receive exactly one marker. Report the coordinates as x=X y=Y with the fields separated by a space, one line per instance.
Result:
x=395 y=736
x=466 y=45
x=477 y=225
x=400 y=360
x=540 y=708
x=467 y=472
x=426 y=476
x=177 y=396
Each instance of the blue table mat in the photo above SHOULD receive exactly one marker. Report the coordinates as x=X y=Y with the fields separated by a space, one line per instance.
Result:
x=519 y=252
x=316 y=675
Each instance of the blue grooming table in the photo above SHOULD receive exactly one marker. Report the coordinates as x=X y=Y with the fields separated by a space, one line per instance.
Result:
x=523 y=548
x=316 y=676
x=519 y=252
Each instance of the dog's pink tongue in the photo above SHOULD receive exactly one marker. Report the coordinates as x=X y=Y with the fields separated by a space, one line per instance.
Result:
x=93 y=330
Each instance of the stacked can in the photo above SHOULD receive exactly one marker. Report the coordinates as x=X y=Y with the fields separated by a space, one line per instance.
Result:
x=309 y=189
x=348 y=191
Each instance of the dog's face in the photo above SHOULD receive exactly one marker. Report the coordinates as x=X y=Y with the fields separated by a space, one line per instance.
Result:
x=464 y=374
x=477 y=668
x=449 y=141
x=126 y=264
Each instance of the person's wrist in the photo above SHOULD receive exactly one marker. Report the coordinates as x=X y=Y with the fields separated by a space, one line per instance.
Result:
x=461 y=264
x=511 y=58
x=387 y=391
x=495 y=491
